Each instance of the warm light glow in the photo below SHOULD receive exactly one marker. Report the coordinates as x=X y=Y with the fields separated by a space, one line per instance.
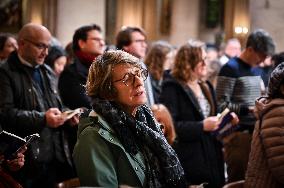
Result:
x=241 y=30
x=245 y=30
x=238 y=30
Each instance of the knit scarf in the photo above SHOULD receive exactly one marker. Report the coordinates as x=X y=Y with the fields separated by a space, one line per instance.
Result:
x=85 y=58
x=142 y=133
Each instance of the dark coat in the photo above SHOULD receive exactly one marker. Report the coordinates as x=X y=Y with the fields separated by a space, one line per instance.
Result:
x=71 y=85
x=22 y=111
x=266 y=160
x=199 y=152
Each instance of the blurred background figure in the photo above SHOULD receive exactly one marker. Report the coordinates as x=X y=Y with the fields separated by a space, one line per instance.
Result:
x=158 y=59
x=213 y=64
x=8 y=44
x=164 y=117
x=70 y=53
x=133 y=40
x=213 y=69
x=232 y=49
x=56 y=59
x=88 y=43
x=277 y=59
x=266 y=69
x=266 y=164
x=212 y=52
x=239 y=83
x=193 y=107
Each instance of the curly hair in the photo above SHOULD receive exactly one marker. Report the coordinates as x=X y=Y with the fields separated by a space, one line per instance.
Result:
x=156 y=58
x=187 y=57
x=99 y=81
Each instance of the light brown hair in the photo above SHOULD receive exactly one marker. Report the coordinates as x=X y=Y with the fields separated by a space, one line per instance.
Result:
x=187 y=57
x=156 y=58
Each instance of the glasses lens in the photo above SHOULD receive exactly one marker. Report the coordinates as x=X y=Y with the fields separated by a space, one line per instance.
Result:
x=128 y=79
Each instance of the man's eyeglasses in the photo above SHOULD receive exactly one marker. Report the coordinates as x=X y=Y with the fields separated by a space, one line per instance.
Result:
x=140 y=41
x=129 y=78
x=39 y=46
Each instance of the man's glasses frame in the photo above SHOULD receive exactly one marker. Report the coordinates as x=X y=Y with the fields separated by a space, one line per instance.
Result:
x=39 y=46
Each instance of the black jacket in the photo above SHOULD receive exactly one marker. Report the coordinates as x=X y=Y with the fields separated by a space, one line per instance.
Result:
x=199 y=152
x=71 y=85
x=22 y=110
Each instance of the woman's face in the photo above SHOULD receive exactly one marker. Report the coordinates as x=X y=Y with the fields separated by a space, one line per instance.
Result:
x=200 y=70
x=10 y=46
x=129 y=84
x=59 y=65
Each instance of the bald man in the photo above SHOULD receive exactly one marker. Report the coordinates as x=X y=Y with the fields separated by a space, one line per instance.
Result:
x=29 y=103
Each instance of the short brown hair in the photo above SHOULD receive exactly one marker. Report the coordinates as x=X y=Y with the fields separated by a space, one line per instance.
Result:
x=187 y=57
x=123 y=37
x=99 y=82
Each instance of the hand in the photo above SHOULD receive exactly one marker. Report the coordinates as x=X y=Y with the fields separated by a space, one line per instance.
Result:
x=74 y=121
x=211 y=123
x=54 y=118
x=251 y=108
x=19 y=162
x=235 y=119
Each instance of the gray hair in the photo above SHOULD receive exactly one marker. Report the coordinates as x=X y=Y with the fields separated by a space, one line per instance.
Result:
x=99 y=82
x=261 y=42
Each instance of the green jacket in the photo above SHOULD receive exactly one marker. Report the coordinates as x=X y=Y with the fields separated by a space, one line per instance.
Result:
x=100 y=158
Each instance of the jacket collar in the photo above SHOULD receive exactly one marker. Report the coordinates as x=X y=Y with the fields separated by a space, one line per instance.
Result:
x=188 y=92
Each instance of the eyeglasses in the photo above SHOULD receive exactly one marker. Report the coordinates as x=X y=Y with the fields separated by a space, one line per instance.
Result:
x=39 y=46
x=129 y=78
x=140 y=41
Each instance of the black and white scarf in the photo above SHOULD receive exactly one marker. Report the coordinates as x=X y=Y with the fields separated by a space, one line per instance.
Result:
x=142 y=133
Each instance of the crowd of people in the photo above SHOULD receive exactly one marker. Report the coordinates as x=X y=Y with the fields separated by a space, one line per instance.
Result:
x=150 y=111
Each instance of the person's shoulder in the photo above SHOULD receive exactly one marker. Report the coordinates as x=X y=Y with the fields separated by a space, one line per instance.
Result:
x=230 y=69
x=169 y=80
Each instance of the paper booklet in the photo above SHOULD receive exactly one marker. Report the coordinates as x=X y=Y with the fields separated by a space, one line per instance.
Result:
x=70 y=113
x=225 y=127
x=11 y=144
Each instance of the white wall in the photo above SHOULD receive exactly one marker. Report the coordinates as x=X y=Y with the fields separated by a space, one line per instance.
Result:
x=270 y=19
x=73 y=14
x=185 y=21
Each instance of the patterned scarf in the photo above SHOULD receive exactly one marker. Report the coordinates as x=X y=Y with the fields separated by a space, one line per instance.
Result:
x=142 y=133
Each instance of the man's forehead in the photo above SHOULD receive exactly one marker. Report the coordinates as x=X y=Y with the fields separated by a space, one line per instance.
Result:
x=137 y=35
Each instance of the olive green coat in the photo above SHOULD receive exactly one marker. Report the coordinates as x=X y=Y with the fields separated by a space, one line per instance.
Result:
x=100 y=158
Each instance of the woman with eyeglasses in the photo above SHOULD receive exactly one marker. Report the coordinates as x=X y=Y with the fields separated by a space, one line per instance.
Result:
x=119 y=141
x=192 y=104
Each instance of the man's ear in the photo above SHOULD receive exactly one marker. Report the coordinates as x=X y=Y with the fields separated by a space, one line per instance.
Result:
x=81 y=43
x=125 y=48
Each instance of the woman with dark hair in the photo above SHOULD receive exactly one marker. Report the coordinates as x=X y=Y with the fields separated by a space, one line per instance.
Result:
x=8 y=44
x=56 y=59
x=159 y=59
x=120 y=142
x=266 y=160
x=192 y=104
